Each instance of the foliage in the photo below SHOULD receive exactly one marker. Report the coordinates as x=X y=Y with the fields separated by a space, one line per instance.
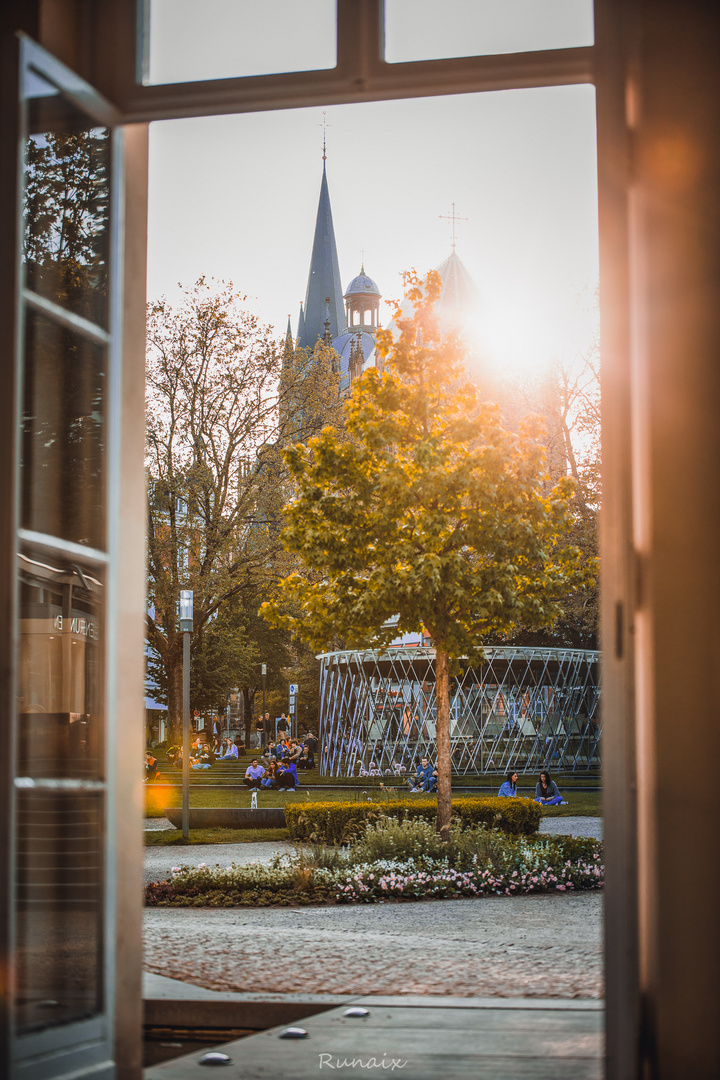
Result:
x=220 y=405
x=67 y=201
x=567 y=398
x=340 y=822
x=431 y=515
x=499 y=864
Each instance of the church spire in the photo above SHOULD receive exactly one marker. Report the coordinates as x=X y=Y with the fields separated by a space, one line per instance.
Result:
x=323 y=279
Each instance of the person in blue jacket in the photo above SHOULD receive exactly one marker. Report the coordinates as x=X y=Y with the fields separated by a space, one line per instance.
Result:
x=286 y=775
x=422 y=779
x=508 y=788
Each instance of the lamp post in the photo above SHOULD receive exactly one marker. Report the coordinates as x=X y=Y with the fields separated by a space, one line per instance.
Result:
x=263 y=736
x=186 y=625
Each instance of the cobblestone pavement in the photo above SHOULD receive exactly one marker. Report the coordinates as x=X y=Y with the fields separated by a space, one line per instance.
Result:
x=535 y=946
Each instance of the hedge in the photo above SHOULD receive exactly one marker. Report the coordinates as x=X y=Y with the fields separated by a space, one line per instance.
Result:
x=338 y=822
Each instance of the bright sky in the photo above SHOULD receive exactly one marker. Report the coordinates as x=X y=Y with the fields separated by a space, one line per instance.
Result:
x=236 y=198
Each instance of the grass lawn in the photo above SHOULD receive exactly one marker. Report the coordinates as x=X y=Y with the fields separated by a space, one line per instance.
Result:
x=173 y=837
x=581 y=803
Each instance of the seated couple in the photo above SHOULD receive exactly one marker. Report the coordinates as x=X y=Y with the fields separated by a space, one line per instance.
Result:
x=425 y=778
x=281 y=775
x=546 y=790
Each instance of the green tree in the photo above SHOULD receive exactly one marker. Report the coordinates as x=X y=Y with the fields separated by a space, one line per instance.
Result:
x=218 y=413
x=67 y=204
x=430 y=511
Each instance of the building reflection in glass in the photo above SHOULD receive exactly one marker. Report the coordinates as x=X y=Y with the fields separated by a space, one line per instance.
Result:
x=60 y=792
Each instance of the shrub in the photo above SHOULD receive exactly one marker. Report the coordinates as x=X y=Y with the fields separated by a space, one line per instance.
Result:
x=507 y=866
x=340 y=823
x=406 y=841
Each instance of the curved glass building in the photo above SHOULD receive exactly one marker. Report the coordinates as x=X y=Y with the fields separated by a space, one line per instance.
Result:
x=523 y=708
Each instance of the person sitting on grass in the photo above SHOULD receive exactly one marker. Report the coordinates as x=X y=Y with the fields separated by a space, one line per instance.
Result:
x=306 y=760
x=508 y=788
x=286 y=776
x=151 y=766
x=301 y=758
x=423 y=777
x=546 y=791
x=253 y=774
x=281 y=750
x=269 y=780
x=271 y=751
x=231 y=751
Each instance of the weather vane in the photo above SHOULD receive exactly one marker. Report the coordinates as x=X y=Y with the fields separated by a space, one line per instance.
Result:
x=324 y=126
x=452 y=217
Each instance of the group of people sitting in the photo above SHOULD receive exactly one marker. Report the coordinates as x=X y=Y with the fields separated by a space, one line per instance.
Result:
x=546 y=790
x=203 y=755
x=302 y=754
x=280 y=775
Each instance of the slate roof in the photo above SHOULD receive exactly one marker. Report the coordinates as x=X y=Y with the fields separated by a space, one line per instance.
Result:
x=362 y=284
x=323 y=278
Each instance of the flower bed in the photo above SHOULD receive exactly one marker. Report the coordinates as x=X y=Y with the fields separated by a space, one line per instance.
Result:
x=518 y=866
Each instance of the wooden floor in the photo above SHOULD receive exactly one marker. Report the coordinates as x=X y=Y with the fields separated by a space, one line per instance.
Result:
x=424 y=1038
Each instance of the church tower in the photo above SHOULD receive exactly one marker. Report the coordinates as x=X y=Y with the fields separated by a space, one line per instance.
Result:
x=323 y=278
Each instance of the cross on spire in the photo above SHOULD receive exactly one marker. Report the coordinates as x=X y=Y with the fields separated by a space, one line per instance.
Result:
x=324 y=126
x=452 y=217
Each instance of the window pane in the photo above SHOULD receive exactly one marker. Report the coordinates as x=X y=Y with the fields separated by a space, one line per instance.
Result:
x=63 y=453
x=59 y=908
x=66 y=203
x=60 y=713
x=193 y=40
x=428 y=30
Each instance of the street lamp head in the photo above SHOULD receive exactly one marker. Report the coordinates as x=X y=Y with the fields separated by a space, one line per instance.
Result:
x=186 y=611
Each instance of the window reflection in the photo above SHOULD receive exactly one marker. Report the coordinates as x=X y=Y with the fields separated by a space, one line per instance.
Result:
x=427 y=30
x=60 y=680
x=59 y=907
x=66 y=205
x=63 y=451
x=220 y=39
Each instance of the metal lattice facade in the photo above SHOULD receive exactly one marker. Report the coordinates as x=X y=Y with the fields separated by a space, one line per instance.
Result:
x=523 y=708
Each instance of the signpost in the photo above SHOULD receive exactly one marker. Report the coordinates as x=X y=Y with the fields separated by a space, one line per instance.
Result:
x=292 y=708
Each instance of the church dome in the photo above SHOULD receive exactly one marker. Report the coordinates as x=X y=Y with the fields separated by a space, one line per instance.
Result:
x=362 y=285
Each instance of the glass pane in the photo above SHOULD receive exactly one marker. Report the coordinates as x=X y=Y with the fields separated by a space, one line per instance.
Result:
x=427 y=30
x=63 y=452
x=59 y=908
x=193 y=40
x=60 y=713
x=66 y=203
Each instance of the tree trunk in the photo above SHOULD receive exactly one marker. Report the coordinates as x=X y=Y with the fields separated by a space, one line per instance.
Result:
x=174 y=696
x=442 y=741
